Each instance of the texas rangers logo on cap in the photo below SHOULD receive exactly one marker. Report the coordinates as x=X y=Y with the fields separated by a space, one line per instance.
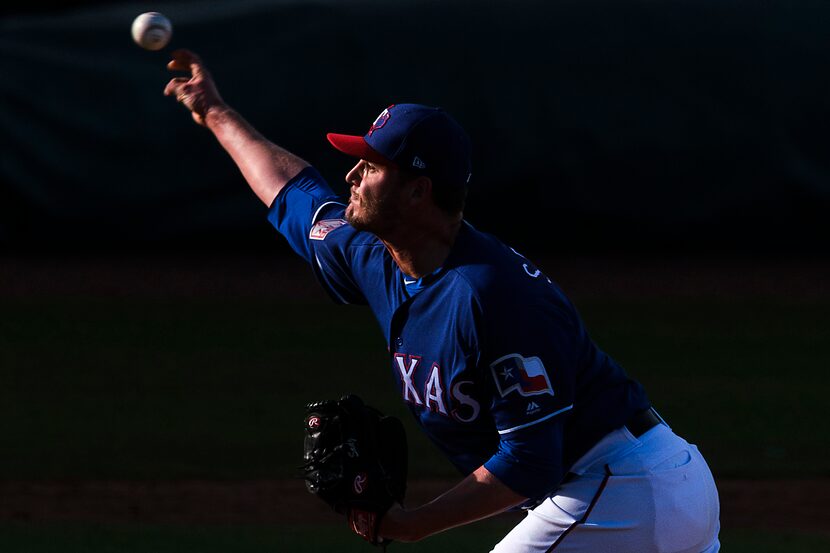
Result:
x=525 y=375
x=380 y=121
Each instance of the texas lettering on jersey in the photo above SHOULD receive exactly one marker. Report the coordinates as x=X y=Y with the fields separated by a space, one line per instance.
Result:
x=433 y=394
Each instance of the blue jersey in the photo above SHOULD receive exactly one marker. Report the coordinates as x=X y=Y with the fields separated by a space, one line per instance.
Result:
x=488 y=353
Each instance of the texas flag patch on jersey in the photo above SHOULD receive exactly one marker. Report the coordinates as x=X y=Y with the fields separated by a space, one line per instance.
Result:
x=322 y=228
x=526 y=375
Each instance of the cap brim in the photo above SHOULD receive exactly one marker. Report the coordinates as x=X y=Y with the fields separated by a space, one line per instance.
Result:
x=356 y=146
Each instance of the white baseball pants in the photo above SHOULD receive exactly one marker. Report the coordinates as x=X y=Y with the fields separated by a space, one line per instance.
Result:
x=652 y=494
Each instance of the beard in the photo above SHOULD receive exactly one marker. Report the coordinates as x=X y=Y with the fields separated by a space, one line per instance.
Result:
x=376 y=215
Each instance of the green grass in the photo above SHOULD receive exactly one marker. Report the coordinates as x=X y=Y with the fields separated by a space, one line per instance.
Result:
x=177 y=389
x=480 y=537
x=202 y=388
x=746 y=380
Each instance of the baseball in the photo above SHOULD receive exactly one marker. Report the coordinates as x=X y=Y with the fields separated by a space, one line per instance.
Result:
x=152 y=30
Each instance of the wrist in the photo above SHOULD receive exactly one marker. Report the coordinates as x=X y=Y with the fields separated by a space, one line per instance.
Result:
x=400 y=525
x=217 y=114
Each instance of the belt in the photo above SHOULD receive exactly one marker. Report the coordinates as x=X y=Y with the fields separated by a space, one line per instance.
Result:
x=642 y=422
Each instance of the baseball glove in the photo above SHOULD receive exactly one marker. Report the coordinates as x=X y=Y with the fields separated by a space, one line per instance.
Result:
x=355 y=460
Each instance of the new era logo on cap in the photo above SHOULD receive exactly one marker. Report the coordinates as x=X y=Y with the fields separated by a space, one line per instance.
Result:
x=418 y=163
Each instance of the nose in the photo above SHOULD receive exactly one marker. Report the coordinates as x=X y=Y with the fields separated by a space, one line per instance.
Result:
x=353 y=176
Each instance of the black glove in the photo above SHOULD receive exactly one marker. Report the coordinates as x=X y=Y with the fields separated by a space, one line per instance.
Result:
x=355 y=460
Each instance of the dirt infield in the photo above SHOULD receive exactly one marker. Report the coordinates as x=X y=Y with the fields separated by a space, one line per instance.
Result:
x=793 y=505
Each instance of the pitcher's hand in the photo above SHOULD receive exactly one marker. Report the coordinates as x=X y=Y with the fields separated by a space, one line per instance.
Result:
x=198 y=92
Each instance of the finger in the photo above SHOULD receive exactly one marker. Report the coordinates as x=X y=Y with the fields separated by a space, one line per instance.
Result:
x=197 y=68
x=176 y=65
x=175 y=85
x=182 y=54
x=181 y=60
x=191 y=61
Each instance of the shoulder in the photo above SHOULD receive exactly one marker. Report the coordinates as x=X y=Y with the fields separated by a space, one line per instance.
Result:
x=489 y=267
x=336 y=230
x=331 y=229
x=504 y=283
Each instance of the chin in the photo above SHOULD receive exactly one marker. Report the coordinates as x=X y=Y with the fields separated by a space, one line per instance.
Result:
x=349 y=215
x=353 y=220
x=358 y=224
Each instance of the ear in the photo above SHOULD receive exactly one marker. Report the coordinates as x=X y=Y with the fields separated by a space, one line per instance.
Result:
x=420 y=189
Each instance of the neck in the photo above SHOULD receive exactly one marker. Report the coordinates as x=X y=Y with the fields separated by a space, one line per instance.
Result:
x=421 y=251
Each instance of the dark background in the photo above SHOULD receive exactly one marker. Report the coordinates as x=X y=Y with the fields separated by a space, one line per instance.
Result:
x=599 y=126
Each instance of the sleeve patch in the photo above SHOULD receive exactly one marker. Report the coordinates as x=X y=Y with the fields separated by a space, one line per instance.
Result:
x=525 y=375
x=321 y=228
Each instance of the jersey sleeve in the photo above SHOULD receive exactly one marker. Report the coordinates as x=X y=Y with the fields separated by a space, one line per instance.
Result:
x=530 y=353
x=529 y=360
x=311 y=218
x=298 y=206
x=529 y=461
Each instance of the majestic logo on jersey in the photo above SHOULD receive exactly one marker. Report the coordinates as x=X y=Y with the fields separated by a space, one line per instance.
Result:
x=524 y=375
x=532 y=407
x=321 y=229
x=380 y=121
